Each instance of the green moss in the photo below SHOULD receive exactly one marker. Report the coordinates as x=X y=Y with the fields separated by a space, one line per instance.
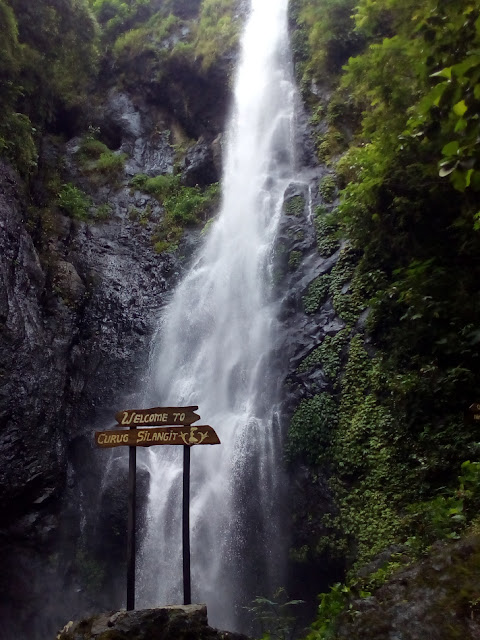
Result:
x=103 y=212
x=17 y=142
x=299 y=555
x=162 y=246
x=217 y=32
x=145 y=42
x=99 y=163
x=331 y=144
x=91 y=572
x=347 y=299
x=328 y=188
x=295 y=206
x=311 y=428
x=317 y=293
x=328 y=355
x=184 y=206
x=159 y=187
x=294 y=259
x=327 y=231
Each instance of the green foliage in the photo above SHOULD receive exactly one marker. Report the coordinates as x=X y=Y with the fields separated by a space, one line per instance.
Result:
x=326 y=36
x=295 y=206
x=275 y=617
x=118 y=16
x=91 y=572
x=41 y=43
x=218 y=31
x=103 y=212
x=150 y=45
x=445 y=515
x=409 y=209
x=331 y=605
x=100 y=163
x=448 y=114
x=328 y=355
x=311 y=428
x=58 y=37
x=328 y=188
x=74 y=202
x=184 y=206
x=159 y=187
x=149 y=38
x=294 y=259
x=317 y=293
x=10 y=57
x=331 y=144
x=17 y=142
x=327 y=228
x=345 y=287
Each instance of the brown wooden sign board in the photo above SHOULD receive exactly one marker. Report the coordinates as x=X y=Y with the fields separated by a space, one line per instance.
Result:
x=472 y=417
x=472 y=414
x=189 y=436
x=157 y=416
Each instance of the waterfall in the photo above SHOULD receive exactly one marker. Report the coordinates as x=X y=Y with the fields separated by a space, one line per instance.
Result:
x=215 y=348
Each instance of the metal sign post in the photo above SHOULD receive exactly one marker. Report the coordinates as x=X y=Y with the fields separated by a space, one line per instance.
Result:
x=187 y=584
x=131 y=526
x=141 y=434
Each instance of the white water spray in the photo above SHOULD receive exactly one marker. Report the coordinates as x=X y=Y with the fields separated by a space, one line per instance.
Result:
x=214 y=349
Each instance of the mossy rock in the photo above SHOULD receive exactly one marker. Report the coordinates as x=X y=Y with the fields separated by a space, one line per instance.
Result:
x=295 y=206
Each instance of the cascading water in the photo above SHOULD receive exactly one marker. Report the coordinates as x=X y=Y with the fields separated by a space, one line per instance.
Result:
x=214 y=348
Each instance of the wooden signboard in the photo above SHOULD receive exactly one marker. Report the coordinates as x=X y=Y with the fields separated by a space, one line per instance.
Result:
x=162 y=435
x=473 y=413
x=156 y=434
x=157 y=416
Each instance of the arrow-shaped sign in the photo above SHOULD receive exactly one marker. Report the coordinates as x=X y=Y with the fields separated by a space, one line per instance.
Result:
x=157 y=416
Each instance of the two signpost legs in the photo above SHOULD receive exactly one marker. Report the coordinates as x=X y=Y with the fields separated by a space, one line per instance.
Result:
x=132 y=522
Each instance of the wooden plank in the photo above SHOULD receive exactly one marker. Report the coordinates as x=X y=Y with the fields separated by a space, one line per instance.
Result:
x=201 y=434
x=157 y=416
x=472 y=417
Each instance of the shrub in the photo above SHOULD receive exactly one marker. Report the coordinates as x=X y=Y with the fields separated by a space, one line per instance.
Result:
x=311 y=428
x=74 y=202
x=100 y=163
x=295 y=206
x=328 y=188
x=294 y=259
x=317 y=293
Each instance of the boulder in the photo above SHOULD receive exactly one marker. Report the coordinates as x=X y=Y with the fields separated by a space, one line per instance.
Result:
x=178 y=622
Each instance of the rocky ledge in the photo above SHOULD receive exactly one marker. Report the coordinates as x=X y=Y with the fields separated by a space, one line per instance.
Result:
x=177 y=622
x=436 y=598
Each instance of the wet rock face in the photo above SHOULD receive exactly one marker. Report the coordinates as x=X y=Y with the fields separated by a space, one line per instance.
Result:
x=188 y=622
x=199 y=166
x=78 y=307
x=33 y=373
x=75 y=329
x=434 y=598
x=141 y=131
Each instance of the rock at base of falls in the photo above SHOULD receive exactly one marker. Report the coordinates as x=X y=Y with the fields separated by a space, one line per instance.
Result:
x=176 y=622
